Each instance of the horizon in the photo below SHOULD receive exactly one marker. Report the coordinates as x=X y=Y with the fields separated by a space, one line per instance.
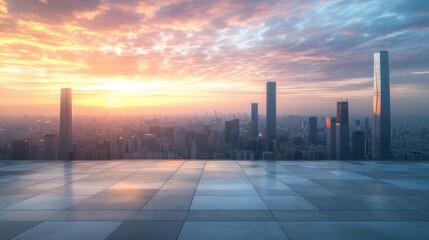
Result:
x=159 y=60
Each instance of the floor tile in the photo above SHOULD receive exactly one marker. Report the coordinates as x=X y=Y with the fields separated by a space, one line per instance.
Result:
x=228 y=203
x=232 y=230
x=147 y=230
x=69 y=230
x=331 y=231
x=9 y=230
x=169 y=203
x=230 y=215
x=288 y=203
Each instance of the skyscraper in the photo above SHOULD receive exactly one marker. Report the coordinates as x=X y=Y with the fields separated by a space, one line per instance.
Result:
x=254 y=125
x=20 y=149
x=358 y=145
x=366 y=128
x=312 y=130
x=232 y=132
x=381 y=107
x=271 y=113
x=342 y=130
x=65 y=144
x=49 y=151
x=331 y=136
x=357 y=126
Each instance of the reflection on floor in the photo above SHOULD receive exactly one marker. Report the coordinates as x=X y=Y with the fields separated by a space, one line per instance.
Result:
x=163 y=199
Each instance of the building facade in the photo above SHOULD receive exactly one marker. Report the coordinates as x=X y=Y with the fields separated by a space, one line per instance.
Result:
x=312 y=131
x=331 y=136
x=254 y=125
x=342 y=131
x=271 y=124
x=66 y=139
x=381 y=137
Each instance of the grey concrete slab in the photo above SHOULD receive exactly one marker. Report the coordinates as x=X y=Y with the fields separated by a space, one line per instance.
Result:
x=26 y=215
x=327 y=203
x=74 y=215
x=161 y=202
x=403 y=230
x=228 y=203
x=288 y=203
x=9 y=230
x=332 y=231
x=230 y=215
x=161 y=215
x=232 y=230
x=147 y=230
x=69 y=230
x=215 y=199
x=301 y=215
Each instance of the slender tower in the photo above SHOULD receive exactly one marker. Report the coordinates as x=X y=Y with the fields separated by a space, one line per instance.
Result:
x=312 y=131
x=381 y=107
x=271 y=113
x=342 y=130
x=331 y=136
x=254 y=130
x=65 y=144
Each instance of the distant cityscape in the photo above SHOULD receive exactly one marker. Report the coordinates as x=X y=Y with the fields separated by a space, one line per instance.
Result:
x=222 y=136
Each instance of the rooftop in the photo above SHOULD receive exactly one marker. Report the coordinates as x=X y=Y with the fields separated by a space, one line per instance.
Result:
x=177 y=199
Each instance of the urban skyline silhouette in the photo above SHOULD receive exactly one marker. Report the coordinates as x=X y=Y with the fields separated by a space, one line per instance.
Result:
x=214 y=119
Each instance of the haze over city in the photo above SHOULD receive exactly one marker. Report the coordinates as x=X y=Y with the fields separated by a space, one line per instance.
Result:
x=214 y=119
x=173 y=57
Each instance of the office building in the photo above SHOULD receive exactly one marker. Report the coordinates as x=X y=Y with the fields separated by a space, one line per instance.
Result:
x=65 y=141
x=312 y=131
x=232 y=132
x=271 y=125
x=331 y=136
x=49 y=151
x=366 y=128
x=254 y=131
x=342 y=130
x=20 y=149
x=358 y=145
x=381 y=137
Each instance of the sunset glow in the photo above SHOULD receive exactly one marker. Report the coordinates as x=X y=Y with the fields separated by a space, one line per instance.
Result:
x=128 y=56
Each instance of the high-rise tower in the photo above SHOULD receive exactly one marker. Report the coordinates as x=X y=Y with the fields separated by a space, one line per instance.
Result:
x=358 y=145
x=232 y=132
x=312 y=131
x=381 y=138
x=49 y=151
x=271 y=113
x=65 y=144
x=254 y=125
x=342 y=130
x=331 y=136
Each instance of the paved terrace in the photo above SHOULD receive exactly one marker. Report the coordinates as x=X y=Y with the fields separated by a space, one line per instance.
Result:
x=162 y=199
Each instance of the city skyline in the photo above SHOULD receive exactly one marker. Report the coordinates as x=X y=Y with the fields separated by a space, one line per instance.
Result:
x=214 y=119
x=159 y=59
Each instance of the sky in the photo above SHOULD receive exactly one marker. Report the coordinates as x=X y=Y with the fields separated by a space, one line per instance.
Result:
x=164 y=57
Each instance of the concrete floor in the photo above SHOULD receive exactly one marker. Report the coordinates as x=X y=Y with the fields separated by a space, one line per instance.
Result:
x=163 y=199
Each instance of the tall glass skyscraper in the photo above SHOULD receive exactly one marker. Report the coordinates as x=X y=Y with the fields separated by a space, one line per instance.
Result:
x=254 y=130
x=232 y=132
x=312 y=131
x=65 y=144
x=331 y=136
x=381 y=107
x=271 y=113
x=342 y=130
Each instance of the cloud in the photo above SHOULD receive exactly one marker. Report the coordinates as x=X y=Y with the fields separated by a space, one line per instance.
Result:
x=112 y=19
x=315 y=45
x=50 y=11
